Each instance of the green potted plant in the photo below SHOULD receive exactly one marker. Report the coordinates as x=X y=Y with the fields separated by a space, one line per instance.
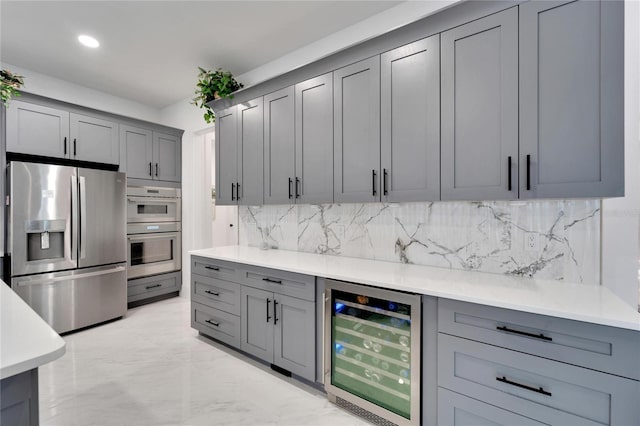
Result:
x=214 y=85
x=9 y=85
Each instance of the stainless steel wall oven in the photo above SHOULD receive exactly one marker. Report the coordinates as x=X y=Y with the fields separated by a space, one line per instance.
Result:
x=154 y=237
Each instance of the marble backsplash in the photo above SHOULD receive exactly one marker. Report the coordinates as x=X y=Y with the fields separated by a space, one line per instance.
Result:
x=481 y=236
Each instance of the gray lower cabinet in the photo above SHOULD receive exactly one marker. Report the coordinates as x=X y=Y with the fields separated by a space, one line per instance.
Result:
x=356 y=136
x=410 y=122
x=93 y=139
x=314 y=140
x=280 y=330
x=279 y=147
x=249 y=187
x=19 y=399
x=37 y=130
x=571 y=99
x=479 y=109
x=151 y=287
x=226 y=156
x=150 y=155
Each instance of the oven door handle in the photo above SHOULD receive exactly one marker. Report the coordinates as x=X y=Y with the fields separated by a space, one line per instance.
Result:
x=134 y=199
x=154 y=236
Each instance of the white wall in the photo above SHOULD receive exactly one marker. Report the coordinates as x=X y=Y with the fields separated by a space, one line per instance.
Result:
x=40 y=84
x=621 y=216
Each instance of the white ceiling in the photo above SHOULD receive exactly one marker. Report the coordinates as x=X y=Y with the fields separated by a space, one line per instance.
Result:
x=150 y=50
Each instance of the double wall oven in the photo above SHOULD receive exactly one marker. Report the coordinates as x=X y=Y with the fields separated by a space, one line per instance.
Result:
x=154 y=237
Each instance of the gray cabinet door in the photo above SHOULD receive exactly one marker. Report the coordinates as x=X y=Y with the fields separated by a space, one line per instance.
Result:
x=137 y=145
x=37 y=130
x=295 y=336
x=571 y=99
x=257 y=308
x=356 y=136
x=226 y=157
x=279 y=147
x=480 y=109
x=250 y=157
x=314 y=140
x=167 y=157
x=410 y=122
x=94 y=139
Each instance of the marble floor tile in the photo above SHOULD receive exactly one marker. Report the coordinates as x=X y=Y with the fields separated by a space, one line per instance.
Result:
x=152 y=368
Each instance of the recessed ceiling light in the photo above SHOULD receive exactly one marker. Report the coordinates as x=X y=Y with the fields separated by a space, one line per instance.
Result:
x=88 y=41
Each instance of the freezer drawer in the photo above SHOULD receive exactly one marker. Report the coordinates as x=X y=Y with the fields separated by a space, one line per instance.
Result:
x=74 y=299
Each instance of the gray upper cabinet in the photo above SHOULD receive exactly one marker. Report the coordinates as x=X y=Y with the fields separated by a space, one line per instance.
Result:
x=356 y=137
x=37 y=130
x=249 y=187
x=168 y=157
x=226 y=156
x=93 y=139
x=314 y=140
x=571 y=99
x=137 y=147
x=279 y=147
x=479 y=109
x=410 y=122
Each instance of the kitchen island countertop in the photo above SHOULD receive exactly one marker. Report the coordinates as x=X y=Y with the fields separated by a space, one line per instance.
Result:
x=26 y=340
x=580 y=302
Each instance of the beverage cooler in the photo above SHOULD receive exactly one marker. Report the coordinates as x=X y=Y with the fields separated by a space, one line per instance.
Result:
x=372 y=352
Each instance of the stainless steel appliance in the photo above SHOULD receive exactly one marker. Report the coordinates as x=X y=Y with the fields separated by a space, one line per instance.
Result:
x=372 y=347
x=67 y=242
x=154 y=237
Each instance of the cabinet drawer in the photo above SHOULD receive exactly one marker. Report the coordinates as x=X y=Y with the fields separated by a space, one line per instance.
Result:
x=147 y=287
x=215 y=323
x=220 y=269
x=281 y=282
x=609 y=349
x=223 y=295
x=458 y=410
x=548 y=391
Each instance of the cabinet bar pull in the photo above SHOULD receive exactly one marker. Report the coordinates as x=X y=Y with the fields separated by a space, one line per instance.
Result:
x=237 y=190
x=65 y=145
x=373 y=183
x=528 y=172
x=217 y=324
x=524 y=333
x=384 y=182
x=156 y=169
x=275 y=312
x=509 y=173
x=212 y=292
x=150 y=169
x=153 y=286
x=233 y=187
x=297 y=188
x=270 y=280
x=268 y=317
x=290 y=189
x=213 y=268
x=74 y=147
x=503 y=379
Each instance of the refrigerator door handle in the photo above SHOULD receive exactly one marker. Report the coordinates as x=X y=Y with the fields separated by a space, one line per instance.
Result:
x=71 y=277
x=83 y=217
x=74 y=216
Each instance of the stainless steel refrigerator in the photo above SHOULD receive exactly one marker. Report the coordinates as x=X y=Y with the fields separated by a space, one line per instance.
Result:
x=67 y=242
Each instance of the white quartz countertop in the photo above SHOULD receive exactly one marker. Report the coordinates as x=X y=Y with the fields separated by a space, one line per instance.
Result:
x=594 y=304
x=26 y=340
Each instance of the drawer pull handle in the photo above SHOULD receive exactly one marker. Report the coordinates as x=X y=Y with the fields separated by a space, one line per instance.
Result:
x=275 y=312
x=524 y=333
x=268 y=317
x=503 y=379
x=212 y=292
x=216 y=324
x=153 y=286
x=269 y=280
x=213 y=268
